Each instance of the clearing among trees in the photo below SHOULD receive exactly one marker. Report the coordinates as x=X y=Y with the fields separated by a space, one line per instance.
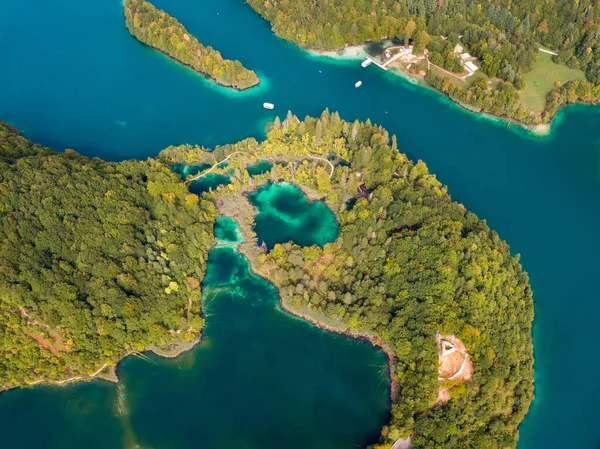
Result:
x=454 y=360
x=455 y=365
x=543 y=79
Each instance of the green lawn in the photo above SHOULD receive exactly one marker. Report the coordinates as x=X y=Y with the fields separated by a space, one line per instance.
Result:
x=542 y=79
x=467 y=82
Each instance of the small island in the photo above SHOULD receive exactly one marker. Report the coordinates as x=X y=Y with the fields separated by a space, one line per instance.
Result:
x=163 y=32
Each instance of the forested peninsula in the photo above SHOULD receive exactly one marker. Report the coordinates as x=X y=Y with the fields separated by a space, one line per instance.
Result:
x=409 y=263
x=503 y=35
x=101 y=260
x=159 y=30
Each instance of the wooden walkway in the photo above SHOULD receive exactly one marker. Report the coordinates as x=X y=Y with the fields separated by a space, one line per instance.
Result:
x=386 y=63
x=381 y=66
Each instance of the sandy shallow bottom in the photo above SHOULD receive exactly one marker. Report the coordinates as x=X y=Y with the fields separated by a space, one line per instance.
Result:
x=351 y=52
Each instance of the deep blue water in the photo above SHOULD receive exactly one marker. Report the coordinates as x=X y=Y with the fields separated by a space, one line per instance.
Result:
x=71 y=76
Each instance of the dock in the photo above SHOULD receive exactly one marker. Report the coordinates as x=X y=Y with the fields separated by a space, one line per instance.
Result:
x=381 y=66
x=384 y=65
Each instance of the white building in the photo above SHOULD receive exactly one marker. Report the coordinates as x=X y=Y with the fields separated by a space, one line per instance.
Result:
x=471 y=67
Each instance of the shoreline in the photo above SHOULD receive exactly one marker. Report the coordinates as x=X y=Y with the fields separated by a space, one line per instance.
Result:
x=131 y=28
x=348 y=52
x=203 y=75
x=248 y=253
x=358 y=335
x=248 y=248
x=109 y=372
x=358 y=52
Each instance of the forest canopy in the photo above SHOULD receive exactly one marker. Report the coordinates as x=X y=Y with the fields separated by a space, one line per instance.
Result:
x=503 y=34
x=159 y=30
x=99 y=260
x=408 y=263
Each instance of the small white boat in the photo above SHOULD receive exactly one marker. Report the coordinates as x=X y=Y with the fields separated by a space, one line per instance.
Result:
x=366 y=62
x=268 y=106
x=358 y=84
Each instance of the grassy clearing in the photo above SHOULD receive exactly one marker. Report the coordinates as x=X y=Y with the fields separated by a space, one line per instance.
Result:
x=463 y=83
x=542 y=80
x=455 y=80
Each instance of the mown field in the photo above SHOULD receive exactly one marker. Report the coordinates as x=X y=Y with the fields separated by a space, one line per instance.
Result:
x=543 y=78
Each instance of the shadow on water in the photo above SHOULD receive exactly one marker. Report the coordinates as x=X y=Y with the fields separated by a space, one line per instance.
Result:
x=70 y=417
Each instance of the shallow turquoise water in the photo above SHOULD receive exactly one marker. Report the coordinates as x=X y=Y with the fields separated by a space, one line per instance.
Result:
x=185 y=170
x=286 y=215
x=205 y=183
x=259 y=168
x=71 y=76
x=208 y=182
x=227 y=230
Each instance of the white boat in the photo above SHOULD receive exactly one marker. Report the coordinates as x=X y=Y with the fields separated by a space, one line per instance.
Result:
x=358 y=84
x=268 y=106
x=366 y=62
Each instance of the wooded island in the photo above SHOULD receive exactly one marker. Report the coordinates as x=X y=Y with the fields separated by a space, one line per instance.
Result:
x=159 y=30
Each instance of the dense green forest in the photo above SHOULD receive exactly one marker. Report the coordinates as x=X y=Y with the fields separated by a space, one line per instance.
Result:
x=503 y=34
x=159 y=30
x=408 y=262
x=104 y=259
x=98 y=260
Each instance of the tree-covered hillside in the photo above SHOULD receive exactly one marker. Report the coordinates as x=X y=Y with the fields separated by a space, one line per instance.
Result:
x=409 y=262
x=159 y=30
x=98 y=260
x=503 y=34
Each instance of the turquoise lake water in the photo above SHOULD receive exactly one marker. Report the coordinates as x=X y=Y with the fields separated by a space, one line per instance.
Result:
x=227 y=230
x=259 y=168
x=204 y=184
x=259 y=379
x=71 y=76
x=286 y=215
